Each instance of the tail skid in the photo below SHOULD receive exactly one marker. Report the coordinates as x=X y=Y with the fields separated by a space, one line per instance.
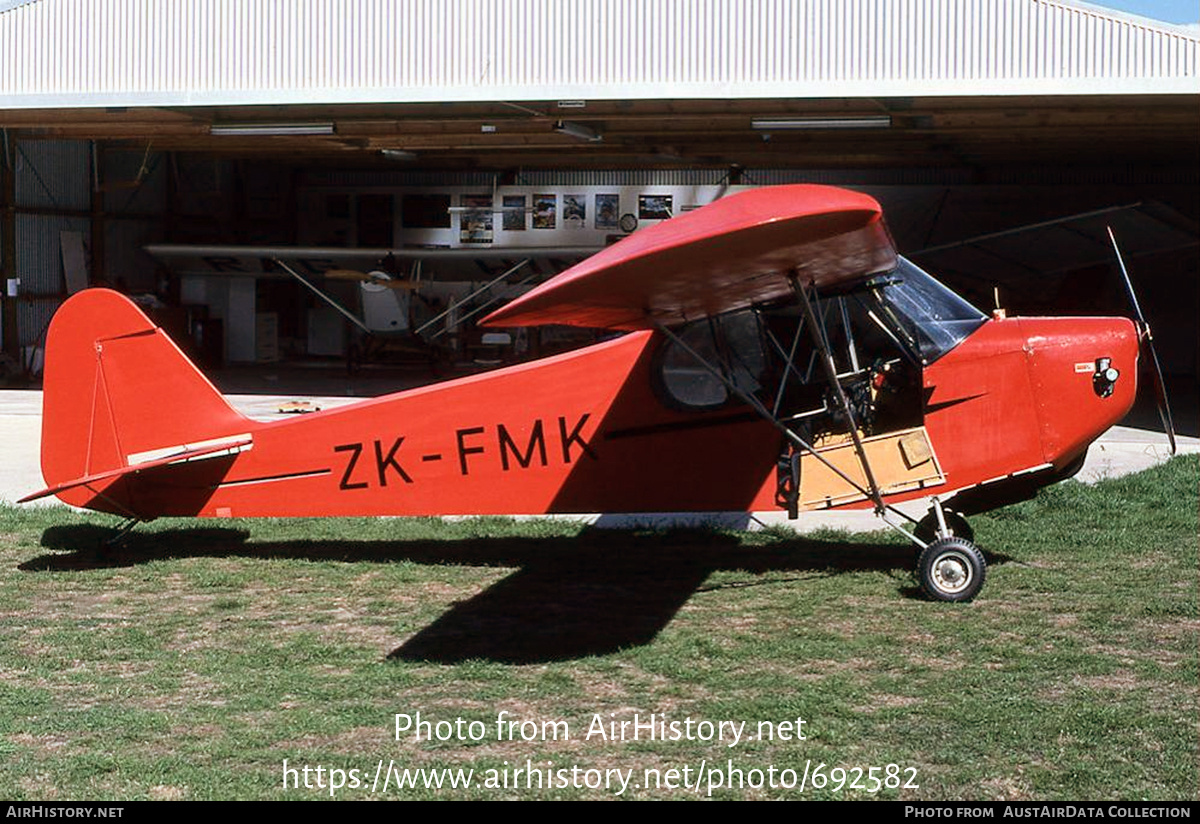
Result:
x=120 y=398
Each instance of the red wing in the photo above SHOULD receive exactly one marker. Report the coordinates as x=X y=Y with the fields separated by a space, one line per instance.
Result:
x=735 y=252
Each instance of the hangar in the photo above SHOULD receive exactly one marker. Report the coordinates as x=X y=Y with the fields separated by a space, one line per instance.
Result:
x=1001 y=137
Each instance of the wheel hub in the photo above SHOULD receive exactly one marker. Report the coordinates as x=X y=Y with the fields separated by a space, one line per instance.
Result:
x=952 y=573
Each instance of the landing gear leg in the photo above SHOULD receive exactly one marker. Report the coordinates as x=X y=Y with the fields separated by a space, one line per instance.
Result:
x=940 y=522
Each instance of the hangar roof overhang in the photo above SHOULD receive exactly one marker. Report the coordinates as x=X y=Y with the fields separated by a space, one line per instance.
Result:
x=1082 y=131
x=608 y=83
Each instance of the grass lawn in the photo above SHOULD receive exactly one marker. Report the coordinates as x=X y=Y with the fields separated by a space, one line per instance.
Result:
x=196 y=659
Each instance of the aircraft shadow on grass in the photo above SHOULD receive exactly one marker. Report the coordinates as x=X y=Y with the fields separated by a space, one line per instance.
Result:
x=570 y=597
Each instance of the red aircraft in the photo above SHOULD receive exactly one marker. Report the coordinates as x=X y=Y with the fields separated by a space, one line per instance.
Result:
x=778 y=354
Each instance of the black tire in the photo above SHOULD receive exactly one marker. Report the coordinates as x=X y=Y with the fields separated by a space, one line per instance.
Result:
x=952 y=569
x=926 y=528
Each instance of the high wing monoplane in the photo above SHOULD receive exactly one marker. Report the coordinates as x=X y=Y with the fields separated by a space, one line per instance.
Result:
x=778 y=353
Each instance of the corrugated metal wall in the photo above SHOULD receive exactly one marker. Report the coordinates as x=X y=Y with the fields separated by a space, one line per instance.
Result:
x=39 y=251
x=52 y=185
x=52 y=174
x=52 y=196
x=240 y=51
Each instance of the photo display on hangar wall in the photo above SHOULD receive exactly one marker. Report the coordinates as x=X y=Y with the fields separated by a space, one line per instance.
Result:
x=425 y=215
x=545 y=211
x=475 y=222
x=513 y=219
x=575 y=211
x=655 y=207
x=608 y=207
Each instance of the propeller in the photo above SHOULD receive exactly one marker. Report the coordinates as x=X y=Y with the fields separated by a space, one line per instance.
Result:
x=374 y=278
x=1160 y=388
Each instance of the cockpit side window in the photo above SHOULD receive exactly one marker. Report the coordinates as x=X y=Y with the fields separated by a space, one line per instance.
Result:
x=731 y=347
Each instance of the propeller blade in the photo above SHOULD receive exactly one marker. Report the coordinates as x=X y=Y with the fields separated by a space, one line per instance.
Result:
x=1160 y=387
x=1160 y=392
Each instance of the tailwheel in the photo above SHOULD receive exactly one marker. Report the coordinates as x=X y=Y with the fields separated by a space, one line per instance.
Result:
x=951 y=569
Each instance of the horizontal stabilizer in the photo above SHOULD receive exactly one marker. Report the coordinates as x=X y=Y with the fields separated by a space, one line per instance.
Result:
x=180 y=457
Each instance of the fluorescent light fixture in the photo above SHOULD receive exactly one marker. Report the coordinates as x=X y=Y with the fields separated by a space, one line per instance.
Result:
x=578 y=130
x=572 y=104
x=881 y=121
x=398 y=154
x=269 y=129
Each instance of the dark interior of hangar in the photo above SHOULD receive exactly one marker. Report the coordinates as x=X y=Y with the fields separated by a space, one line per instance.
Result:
x=1007 y=200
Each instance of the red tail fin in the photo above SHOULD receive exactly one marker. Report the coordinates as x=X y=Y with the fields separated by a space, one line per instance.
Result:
x=118 y=392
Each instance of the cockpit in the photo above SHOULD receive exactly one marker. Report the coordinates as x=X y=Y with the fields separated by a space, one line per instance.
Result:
x=880 y=332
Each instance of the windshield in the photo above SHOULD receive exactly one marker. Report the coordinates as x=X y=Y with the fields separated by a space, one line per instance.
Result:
x=924 y=316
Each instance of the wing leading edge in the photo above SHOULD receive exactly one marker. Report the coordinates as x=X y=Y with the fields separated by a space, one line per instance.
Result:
x=735 y=252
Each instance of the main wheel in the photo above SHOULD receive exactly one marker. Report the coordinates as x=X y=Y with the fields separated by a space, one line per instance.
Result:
x=926 y=528
x=951 y=569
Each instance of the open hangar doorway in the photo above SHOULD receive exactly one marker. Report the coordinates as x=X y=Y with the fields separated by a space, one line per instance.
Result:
x=992 y=209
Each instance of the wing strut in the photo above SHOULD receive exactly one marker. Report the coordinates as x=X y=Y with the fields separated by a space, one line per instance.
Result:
x=348 y=315
x=757 y=405
x=487 y=303
x=471 y=296
x=822 y=346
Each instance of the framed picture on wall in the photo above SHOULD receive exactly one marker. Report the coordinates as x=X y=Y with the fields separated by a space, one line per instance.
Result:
x=475 y=223
x=655 y=207
x=608 y=207
x=575 y=211
x=513 y=219
x=545 y=211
